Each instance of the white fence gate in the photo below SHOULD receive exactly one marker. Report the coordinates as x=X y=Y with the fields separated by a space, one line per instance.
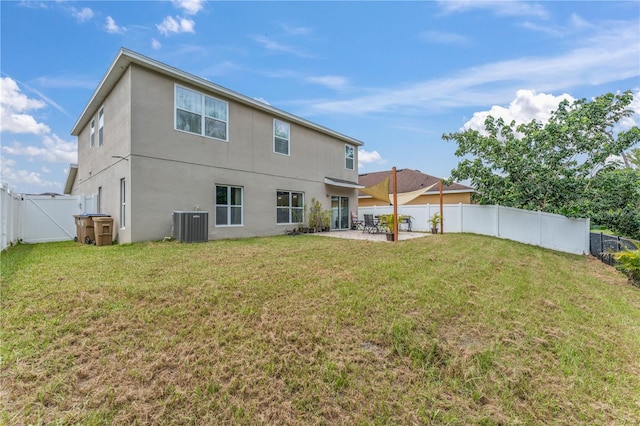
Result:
x=547 y=230
x=41 y=218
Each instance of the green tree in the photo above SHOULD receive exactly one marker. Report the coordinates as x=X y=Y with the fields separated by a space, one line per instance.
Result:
x=545 y=167
x=612 y=199
x=634 y=157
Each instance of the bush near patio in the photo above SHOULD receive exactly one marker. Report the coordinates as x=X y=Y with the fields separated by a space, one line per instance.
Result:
x=460 y=329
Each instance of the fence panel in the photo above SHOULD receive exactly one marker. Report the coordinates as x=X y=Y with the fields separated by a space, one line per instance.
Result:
x=40 y=218
x=9 y=217
x=603 y=246
x=564 y=234
x=519 y=225
x=477 y=219
x=47 y=218
x=542 y=229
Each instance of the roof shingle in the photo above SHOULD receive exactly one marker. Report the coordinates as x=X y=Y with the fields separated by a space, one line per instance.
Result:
x=409 y=180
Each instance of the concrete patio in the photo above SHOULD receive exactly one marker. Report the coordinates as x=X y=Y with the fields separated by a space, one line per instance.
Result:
x=359 y=235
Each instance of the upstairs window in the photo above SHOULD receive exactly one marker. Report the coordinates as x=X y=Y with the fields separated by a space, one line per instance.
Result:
x=290 y=207
x=280 y=137
x=200 y=114
x=101 y=127
x=349 y=157
x=228 y=205
x=92 y=134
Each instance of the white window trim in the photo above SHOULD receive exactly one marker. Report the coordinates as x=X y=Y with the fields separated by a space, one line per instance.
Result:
x=290 y=207
x=123 y=203
x=228 y=206
x=353 y=150
x=202 y=114
x=288 y=154
x=92 y=133
x=101 y=126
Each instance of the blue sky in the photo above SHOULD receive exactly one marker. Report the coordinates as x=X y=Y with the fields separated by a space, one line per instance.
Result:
x=395 y=75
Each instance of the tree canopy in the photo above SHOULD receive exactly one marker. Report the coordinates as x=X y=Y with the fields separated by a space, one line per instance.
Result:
x=546 y=166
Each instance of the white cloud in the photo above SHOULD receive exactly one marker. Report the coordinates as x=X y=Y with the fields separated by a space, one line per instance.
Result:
x=331 y=81
x=155 y=44
x=113 y=28
x=179 y=25
x=441 y=37
x=15 y=177
x=83 y=14
x=634 y=120
x=190 y=7
x=66 y=82
x=606 y=56
x=295 y=31
x=500 y=8
x=263 y=100
x=574 y=25
x=273 y=45
x=527 y=106
x=53 y=150
x=7 y=162
x=366 y=157
x=14 y=106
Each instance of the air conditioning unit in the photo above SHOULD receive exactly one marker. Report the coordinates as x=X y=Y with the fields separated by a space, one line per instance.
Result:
x=191 y=227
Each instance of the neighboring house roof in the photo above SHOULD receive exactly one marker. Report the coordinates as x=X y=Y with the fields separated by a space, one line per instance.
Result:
x=410 y=180
x=127 y=57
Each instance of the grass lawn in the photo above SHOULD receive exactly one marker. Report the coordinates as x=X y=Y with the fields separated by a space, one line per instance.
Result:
x=453 y=329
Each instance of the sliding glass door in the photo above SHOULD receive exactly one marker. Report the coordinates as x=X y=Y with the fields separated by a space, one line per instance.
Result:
x=339 y=212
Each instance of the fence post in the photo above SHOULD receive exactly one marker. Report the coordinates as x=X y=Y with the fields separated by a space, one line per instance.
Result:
x=539 y=228
x=587 y=243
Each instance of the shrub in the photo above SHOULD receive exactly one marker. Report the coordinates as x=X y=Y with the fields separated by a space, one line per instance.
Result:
x=629 y=262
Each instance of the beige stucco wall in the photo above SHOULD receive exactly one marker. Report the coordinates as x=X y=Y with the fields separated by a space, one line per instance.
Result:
x=456 y=198
x=97 y=166
x=169 y=170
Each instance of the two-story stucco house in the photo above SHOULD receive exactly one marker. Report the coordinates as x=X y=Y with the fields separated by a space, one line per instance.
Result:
x=154 y=139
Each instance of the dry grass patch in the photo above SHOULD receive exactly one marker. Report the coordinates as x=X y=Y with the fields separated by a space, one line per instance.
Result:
x=453 y=329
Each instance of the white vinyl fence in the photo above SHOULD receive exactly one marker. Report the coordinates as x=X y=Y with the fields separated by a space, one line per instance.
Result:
x=547 y=230
x=40 y=218
x=43 y=218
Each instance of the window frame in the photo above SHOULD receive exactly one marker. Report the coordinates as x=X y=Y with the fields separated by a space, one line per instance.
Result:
x=92 y=133
x=123 y=203
x=101 y=127
x=229 y=206
x=201 y=112
x=290 y=208
x=276 y=136
x=347 y=157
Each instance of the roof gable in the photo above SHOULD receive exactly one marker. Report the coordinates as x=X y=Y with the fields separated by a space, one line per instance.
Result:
x=126 y=57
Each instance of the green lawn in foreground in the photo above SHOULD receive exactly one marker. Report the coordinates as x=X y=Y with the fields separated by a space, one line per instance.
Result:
x=453 y=329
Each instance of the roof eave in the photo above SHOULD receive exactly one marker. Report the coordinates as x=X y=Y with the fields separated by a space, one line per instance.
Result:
x=71 y=178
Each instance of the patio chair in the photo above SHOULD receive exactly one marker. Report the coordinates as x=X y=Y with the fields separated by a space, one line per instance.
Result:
x=370 y=225
x=355 y=222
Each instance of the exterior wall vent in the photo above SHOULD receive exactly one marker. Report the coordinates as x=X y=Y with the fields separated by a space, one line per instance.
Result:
x=191 y=227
